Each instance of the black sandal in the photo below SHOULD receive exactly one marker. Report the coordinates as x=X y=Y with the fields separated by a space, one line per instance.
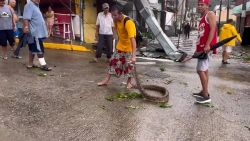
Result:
x=46 y=68
x=32 y=67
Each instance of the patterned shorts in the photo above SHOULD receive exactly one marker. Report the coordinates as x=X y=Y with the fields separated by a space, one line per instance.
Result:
x=119 y=64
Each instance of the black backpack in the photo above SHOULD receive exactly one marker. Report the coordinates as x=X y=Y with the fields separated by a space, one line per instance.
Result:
x=139 y=37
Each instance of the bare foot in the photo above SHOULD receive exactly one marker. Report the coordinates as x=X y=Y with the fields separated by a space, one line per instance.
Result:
x=103 y=83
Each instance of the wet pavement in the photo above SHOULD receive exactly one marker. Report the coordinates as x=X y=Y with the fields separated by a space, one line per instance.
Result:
x=66 y=105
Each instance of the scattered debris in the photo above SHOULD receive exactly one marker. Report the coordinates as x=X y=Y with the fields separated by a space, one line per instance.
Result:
x=168 y=82
x=42 y=74
x=229 y=92
x=184 y=83
x=162 y=68
x=248 y=128
x=165 y=105
x=102 y=107
x=124 y=96
x=132 y=107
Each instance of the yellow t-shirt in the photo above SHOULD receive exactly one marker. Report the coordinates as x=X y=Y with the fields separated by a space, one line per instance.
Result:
x=125 y=34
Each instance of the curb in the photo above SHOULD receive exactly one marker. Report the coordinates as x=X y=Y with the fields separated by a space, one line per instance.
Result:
x=66 y=47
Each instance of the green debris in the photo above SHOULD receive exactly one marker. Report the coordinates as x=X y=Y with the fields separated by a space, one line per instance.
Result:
x=229 y=92
x=165 y=105
x=124 y=96
x=162 y=68
x=247 y=58
x=42 y=74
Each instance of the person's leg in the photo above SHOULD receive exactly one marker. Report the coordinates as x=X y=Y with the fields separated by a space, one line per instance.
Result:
x=31 y=59
x=4 y=49
x=105 y=81
x=204 y=83
x=100 y=46
x=3 y=43
x=109 y=45
x=50 y=29
x=202 y=70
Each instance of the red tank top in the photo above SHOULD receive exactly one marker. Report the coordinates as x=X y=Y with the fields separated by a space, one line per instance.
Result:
x=203 y=34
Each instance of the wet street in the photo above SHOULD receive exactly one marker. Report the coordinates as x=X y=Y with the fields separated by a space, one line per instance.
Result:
x=67 y=105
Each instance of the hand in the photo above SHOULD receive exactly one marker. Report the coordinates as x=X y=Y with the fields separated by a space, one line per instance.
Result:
x=14 y=29
x=25 y=30
x=207 y=48
x=96 y=37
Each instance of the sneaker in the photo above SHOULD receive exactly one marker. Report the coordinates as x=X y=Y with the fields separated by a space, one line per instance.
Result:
x=196 y=95
x=16 y=57
x=203 y=100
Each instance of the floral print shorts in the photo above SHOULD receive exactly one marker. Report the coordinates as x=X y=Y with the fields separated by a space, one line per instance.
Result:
x=119 y=64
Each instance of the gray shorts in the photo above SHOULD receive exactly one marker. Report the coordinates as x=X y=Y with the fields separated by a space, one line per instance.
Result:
x=202 y=65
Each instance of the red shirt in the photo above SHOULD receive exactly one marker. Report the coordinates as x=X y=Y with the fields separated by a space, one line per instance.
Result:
x=203 y=34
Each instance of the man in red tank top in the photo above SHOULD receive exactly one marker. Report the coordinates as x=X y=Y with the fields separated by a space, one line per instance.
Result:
x=206 y=38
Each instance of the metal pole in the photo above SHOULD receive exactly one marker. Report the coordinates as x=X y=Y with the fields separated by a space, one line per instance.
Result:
x=228 y=8
x=81 y=22
x=176 y=14
x=243 y=17
x=219 y=16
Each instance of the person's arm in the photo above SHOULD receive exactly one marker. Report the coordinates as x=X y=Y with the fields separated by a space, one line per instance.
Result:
x=212 y=23
x=27 y=14
x=133 y=41
x=97 y=27
x=131 y=30
x=234 y=31
x=25 y=26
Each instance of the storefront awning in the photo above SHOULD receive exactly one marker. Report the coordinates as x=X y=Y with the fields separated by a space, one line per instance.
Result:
x=238 y=9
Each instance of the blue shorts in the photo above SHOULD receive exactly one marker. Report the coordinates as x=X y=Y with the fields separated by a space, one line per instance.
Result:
x=7 y=36
x=37 y=47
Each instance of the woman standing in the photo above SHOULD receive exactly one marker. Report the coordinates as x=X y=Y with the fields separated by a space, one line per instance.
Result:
x=50 y=16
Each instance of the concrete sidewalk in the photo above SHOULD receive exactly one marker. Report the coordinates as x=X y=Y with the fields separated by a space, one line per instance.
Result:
x=66 y=105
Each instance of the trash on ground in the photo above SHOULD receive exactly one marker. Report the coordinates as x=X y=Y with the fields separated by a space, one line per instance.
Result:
x=168 y=82
x=132 y=107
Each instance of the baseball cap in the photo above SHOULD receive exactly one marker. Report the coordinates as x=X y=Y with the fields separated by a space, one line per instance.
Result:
x=204 y=1
x=105 y=5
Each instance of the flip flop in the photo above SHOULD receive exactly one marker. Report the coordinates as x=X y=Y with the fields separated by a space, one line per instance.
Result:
x=32 y=67
x=102 y=84
x=45 y=68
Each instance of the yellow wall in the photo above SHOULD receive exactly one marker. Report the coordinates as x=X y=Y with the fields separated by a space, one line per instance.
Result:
x=90 y=15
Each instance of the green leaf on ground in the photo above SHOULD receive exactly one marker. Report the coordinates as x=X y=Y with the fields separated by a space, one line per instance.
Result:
x=124 y=96
x=42 y=74
x=165 y=105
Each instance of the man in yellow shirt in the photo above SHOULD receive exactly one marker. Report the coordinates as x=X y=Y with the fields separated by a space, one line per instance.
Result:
x=227 y=31
x=125 y=54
